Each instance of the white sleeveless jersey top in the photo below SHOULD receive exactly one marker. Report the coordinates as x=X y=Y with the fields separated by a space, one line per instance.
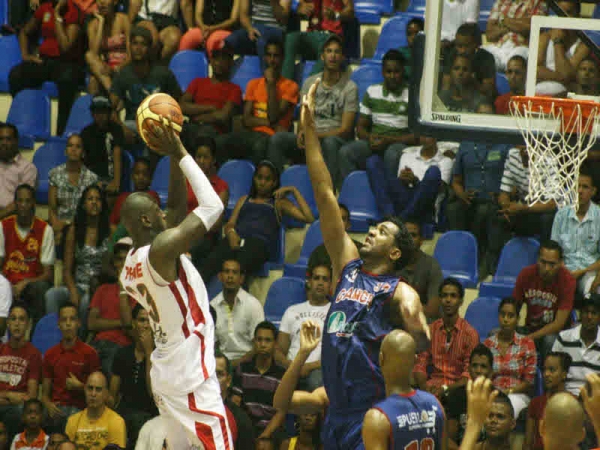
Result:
x=180 y=318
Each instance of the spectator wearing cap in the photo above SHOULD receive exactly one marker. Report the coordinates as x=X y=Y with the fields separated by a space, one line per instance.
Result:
x=104 y=141
x=211 y=102
x=14 y=169
x=105 y=315
x=27 y=252
x=582 y=343
x=138 y=79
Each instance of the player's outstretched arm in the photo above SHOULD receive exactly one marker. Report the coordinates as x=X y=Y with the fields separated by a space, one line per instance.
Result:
x=409 y=315
x=376 y=430
x=480 y=396
x=340 y=247
x=287 y=398
x=590 y=393
x=173 y=242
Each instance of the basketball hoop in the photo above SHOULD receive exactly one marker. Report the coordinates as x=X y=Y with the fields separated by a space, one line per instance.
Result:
x=558 y=134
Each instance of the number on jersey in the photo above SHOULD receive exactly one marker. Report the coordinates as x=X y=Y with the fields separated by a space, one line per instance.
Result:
x=425 y=444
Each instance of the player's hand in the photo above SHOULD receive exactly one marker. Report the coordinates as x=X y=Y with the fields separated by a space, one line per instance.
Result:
x=310 y=336
x=162 y=138
x=53 y=410
x=254 y=34
x=590 y=393
x=307 y=111
x=72 y=382
x=480 y=396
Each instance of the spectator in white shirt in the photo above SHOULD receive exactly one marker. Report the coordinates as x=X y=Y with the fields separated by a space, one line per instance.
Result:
x=582 y=343
x=422 y=174
x=315 y=308
x=238 y=313
x=5 y=302
x=454 y=14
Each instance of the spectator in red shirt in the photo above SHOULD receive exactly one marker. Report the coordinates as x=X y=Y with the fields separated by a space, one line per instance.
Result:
x=556 y=369
x=60 y=55
x=548 y=290
x=452 y=341
x=20 y=369
x=516 y=73
x=65 y=369
x=141 y=175
x=211 y=102
x=203 y=151
x=105 y=315
x=515 y=359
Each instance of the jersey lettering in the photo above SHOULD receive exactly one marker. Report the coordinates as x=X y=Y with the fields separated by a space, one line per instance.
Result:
x=131 y=273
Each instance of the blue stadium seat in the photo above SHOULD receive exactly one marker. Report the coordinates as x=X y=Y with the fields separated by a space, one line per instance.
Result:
x=126 y=180
x=303 y=70
x=485 y=6
x=214 y=288
x=482 y=314
x=416 y=6
x=518 y=253
x=297 y=176
x=31 y=127
x=3 y=12
x=393 y=35
x=357 y=195
x=48 y=156
x=10 y=56
x=238 y=174
x=187 y=65
x=367 y=16
x=502 y=83
x=283 y=293
x=246 y=68
x=160 y=180
x=80 y=115
x=538 y=386
x=385 y=7
x=596 y=13
x=46 y=333
x=312 y=240
x=50 y=89
x=365 y=76
x=456 y=252
x=594 y=36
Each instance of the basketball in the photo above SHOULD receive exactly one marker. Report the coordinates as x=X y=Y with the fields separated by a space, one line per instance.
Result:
x=152 y=108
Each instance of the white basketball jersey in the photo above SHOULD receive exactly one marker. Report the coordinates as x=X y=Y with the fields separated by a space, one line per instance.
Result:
x=180 y=317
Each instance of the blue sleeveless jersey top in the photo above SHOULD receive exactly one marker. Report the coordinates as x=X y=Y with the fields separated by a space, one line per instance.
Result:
x=357 y=322
x=259 y=220
x=416 y=421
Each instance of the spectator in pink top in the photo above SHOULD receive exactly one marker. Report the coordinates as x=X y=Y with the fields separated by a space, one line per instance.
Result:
x=548 y=290
x=105 y=316
x=14 y=169
x=515 y=359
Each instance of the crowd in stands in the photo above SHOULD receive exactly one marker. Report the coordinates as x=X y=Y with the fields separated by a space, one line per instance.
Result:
x=95 y=383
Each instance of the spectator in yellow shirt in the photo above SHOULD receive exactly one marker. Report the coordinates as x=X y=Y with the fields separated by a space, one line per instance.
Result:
x=97 y=425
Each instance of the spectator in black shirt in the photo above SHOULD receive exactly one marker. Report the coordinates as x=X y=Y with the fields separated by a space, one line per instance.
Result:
x=130 y=388
x=481 y=364
x=104 y=140
x=256 y=382
x=243 y=423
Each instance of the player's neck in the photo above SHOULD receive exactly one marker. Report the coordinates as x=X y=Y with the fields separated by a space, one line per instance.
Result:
x=398 y=388
x=143 y=238
x=379 y=267
x=501 y=443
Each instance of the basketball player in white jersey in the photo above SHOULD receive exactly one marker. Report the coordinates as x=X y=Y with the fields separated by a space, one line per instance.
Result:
x=164 y=281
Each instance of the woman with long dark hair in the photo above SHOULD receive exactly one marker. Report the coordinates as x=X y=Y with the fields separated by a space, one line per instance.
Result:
x=309 y=434
x=253 y=229
x=86 y=243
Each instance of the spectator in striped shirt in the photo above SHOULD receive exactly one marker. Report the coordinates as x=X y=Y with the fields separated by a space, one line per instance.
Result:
x=382 y=127
x=582 y=343
x=515 y=359
x=515 y=215
x=452 y=341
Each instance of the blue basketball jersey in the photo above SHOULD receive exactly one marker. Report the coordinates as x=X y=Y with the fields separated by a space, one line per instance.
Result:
x=355 y=326
x=416 y=420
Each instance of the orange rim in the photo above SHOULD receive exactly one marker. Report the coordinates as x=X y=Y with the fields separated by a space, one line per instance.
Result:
x=548 y=105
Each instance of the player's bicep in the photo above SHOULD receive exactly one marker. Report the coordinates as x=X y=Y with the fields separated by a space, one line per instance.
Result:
x=304 y=402
x=376 y=430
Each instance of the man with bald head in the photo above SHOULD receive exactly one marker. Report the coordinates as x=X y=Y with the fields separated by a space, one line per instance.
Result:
x=159 y=276
x=97 y=425
x=562 y=427
x=390 y=423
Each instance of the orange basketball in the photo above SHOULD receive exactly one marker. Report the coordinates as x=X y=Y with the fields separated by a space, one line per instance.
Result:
x=152 y=108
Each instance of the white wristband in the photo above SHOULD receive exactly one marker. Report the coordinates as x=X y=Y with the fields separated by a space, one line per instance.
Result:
x=210 y=206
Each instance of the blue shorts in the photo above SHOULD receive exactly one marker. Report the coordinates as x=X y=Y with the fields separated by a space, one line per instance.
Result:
x=343 y=431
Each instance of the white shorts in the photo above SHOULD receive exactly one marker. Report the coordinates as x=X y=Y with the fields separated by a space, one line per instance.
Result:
x=197 y=420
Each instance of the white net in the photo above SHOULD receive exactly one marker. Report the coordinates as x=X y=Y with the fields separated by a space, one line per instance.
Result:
x=557 y=143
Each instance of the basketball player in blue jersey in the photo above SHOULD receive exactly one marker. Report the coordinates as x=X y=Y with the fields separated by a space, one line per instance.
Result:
x=369 y=301
x=407 y=418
